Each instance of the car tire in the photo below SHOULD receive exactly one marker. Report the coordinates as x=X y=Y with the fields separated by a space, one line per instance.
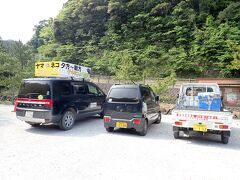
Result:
x=144 y=130
x=110 y=129
x=176 y=134
x=224 y=139
x=159 y=118
x=68 y=119
x=101 y=115
x=34 y=124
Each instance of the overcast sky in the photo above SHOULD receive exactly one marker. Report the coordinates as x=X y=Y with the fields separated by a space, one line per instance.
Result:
x=18 y=17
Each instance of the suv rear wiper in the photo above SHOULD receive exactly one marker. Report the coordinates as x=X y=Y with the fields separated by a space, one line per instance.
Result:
x=123 y=99
x=32 y=93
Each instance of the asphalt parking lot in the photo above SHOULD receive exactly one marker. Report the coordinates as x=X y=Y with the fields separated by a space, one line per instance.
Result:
x=89 y=152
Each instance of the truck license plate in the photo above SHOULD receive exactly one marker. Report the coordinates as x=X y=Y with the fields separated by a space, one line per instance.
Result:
x=200 y=127
x=121 y=124
x=29 y=114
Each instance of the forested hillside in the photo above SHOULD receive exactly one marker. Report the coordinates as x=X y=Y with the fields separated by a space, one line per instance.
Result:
x=16 y=63
x=135 y=39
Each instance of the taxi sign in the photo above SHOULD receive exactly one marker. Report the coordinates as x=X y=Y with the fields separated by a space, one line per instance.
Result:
x=61 y=69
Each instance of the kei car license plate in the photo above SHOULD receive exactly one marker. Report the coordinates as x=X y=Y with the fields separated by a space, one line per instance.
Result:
x=200 y=127
x=121 y=124
x=29 y=114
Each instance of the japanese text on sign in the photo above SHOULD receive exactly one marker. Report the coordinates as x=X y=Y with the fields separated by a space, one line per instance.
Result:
x=61 y=69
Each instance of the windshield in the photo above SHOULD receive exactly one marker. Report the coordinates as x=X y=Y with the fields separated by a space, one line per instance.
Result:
x=200 y=97
x=32 y=89
x=123 y=94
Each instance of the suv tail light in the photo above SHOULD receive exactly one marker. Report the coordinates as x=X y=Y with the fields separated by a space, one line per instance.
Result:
x=15 y=105
x=40 y=102
x=106 y=119
x=47 y=102
x=136 y=121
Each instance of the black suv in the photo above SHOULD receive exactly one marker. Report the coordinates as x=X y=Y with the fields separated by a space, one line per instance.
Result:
x=58 y=100
x=131 y=106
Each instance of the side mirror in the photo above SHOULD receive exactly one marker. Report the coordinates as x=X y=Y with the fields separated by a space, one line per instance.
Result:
x=157 y=98
x=177 y=95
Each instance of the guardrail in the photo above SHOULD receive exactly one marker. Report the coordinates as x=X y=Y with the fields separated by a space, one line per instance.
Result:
x=112 y=80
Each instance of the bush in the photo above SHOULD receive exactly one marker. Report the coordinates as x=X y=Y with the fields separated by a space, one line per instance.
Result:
x=163 y=86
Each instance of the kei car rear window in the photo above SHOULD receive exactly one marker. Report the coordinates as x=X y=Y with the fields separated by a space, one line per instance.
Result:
x=123 y=93
x=32 y=89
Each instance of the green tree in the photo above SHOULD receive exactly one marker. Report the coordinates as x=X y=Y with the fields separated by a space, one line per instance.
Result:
x=23 y=53
x=189 y=37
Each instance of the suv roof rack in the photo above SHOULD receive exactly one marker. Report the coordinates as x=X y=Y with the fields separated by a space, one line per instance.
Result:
x=64 y=78
x=145 y=85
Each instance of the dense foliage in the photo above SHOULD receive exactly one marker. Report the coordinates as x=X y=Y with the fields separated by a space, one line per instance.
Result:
x=132 y=40
x=16 y=63
x=135 y=39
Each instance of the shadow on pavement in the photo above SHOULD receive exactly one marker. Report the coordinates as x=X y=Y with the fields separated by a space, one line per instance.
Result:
x=197 y=138
x=94 y=126
x=164 y=131
x=82 y=128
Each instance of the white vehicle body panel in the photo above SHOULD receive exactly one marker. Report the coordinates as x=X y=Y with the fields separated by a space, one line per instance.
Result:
x=213 y=120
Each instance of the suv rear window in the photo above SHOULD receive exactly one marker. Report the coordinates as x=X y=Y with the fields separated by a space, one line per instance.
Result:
x=123 y=93
x=32 y=89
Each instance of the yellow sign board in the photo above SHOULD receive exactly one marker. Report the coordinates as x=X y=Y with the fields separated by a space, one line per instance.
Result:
x=61 y=69
x=47 y=68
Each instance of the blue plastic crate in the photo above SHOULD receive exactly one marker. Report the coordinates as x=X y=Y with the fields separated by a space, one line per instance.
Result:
x=209 y=101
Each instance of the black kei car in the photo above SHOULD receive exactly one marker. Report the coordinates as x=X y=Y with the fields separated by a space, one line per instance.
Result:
x=58 y=101
x=132 y=107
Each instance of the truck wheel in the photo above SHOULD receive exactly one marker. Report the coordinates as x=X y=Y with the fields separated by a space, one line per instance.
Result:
x=159 y=118
x=110 y=129
x=67 y=120
x=224 y=139
x=144 y=130
x=176 y=134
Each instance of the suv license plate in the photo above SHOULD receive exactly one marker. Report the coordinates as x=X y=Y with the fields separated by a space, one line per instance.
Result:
x=200 y=127
x=29 y=114
x=121 y=124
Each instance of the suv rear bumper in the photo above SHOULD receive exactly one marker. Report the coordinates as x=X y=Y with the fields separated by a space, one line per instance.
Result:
x=31 y=120
x=38 y=115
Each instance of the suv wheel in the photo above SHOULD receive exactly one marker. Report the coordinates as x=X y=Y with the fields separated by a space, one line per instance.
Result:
x=67 y=120
x=145 y=128
x=159 y=118
x=110 y=129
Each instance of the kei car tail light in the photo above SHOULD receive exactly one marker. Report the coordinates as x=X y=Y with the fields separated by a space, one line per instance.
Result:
x=178 y=123
x=106 y=119
x=223 y=126
x=136 y=121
